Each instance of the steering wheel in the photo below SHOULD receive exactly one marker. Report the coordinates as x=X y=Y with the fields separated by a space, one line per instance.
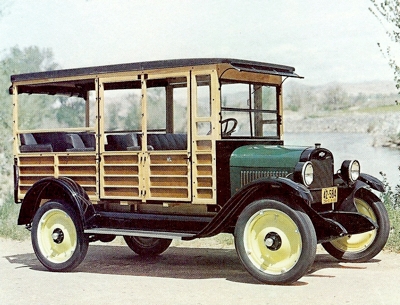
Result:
x=225 y=130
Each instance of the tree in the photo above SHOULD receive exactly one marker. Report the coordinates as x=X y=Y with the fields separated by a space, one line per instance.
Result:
x=17 y=61
x=335 y=97
x=388 y=13
x=71 y=112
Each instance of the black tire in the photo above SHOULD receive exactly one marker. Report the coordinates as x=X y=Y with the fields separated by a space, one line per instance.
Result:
x=363 y=247
x=147 y=246
x=57 y=237
x=276 y=244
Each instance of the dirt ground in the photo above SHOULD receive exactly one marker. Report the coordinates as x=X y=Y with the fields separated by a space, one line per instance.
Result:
x=186 y=274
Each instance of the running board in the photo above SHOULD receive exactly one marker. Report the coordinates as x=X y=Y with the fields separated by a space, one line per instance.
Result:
x=140 y=233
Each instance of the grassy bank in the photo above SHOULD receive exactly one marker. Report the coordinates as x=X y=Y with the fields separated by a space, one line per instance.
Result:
x=8 y=220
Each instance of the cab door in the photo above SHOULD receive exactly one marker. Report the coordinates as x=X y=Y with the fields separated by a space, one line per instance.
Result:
x=205 y=132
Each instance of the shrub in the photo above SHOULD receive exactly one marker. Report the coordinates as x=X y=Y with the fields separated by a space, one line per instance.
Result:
x=391 y=199
x=8 y=220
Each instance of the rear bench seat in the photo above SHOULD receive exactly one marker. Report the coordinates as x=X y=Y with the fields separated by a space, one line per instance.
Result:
x=56 y=142
x=119 y=142
x=167 y=141
x=30 y=144
x=68 y=142
x=156 y=141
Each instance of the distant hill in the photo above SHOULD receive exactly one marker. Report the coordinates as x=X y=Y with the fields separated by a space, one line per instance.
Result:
x=367 y=88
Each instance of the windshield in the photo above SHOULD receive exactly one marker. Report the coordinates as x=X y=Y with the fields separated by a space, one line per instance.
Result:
x=249 y=110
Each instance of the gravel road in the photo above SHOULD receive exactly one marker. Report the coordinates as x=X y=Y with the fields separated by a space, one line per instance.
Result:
x=184 y=274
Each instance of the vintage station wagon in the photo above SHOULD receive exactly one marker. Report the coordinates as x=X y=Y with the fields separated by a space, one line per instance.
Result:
x=183 y=149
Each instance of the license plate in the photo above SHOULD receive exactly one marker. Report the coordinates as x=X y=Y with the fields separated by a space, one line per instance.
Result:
x=329 y=195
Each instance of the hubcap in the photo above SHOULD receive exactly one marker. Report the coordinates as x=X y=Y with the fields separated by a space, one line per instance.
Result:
x=272 y=241
x=58 y=236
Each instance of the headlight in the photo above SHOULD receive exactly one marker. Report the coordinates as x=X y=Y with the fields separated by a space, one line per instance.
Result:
x=350 y=170
x=304 y=173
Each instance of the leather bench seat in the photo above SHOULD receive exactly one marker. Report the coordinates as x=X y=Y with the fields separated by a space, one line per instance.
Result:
x=167 y=141
x=57 y=142
x=155 y=141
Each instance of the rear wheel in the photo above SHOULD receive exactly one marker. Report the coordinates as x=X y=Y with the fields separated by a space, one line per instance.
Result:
x=276 y=244
x=147 y=246
x=364 y=246
x=57 y=237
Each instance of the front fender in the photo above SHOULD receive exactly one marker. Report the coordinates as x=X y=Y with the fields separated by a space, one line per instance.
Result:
x=372 y=182
x=56 y=188
x=365 y=181
x=297 y=197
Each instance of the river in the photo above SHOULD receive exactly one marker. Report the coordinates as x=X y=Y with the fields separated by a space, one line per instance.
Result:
x=358 y=146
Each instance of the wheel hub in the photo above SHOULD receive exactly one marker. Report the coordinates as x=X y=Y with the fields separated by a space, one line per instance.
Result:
x=58 y=236
x=273 y=241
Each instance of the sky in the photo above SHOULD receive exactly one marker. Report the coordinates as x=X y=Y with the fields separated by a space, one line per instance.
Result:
x=326 y=41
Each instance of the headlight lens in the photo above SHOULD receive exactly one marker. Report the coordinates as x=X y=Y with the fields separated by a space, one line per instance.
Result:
x=308 y=173
x=350 y=170
x=304 y=173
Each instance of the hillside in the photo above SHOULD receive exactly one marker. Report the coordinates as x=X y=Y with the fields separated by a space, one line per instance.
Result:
x=368 y=107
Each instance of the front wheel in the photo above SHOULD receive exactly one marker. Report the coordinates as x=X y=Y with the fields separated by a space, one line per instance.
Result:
x=57 y=237
x=276 y=244
x=147 y=246
x=364 y=246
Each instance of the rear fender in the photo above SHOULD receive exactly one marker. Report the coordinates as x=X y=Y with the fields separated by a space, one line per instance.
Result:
x=50 y=188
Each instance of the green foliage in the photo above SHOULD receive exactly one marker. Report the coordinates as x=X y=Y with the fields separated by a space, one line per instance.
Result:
x=16 y=61
x=335 y=98
x=71 y=112
x=31 y=59
x=387 y=12
x=391 y=199
x=8 y=220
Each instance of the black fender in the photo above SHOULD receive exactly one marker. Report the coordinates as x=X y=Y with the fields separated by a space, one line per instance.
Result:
x=293 y=194
x=363 y=183
x=51 y=188
x=372 y=182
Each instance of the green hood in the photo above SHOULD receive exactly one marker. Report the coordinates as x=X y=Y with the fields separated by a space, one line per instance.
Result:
x=263 y=156
x=251 y=162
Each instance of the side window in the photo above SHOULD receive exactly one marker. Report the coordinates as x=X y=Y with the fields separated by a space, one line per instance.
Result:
x=253 y=107
x=166 y=112
x=203 y=95
x=122 y=108
x=165 y=115
x=122 y=115
x=43 y=111
x=203 y=110
x=156 y=109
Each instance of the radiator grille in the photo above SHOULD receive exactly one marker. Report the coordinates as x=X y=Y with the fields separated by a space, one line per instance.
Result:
x=323 y=173
x=247 y=176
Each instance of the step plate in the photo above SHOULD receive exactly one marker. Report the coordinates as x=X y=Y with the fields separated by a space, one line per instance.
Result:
x=118 y=232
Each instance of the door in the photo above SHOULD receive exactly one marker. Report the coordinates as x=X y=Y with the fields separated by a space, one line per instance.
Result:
x=166 y=140
x=205 y=132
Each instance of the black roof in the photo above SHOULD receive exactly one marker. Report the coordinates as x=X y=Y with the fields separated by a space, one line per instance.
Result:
x=82 y=86
x=239 y=64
